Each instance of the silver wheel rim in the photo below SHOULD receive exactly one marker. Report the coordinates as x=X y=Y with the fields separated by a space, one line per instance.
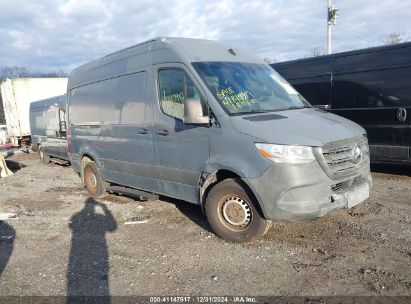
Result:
x=237 y=212
x=93 y=180
x=90 y=179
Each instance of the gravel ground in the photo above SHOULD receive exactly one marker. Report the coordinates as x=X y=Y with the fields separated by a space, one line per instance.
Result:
x=61 y=242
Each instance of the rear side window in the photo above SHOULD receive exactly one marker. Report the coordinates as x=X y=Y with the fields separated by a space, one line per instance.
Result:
x=372 y=89
x=51 y=119
x=119 y=100
x=37 y=122
x=174 y=88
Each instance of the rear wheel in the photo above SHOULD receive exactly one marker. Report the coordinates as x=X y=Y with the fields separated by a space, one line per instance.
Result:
x=232 y=214
x=92 y=180
x=44 y=158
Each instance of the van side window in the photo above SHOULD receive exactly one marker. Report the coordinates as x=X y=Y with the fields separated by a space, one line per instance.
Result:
x=51 y=119
x=115 y=101
x=174 y=88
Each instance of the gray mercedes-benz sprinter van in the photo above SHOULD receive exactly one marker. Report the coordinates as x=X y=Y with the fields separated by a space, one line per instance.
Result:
x=213 y=125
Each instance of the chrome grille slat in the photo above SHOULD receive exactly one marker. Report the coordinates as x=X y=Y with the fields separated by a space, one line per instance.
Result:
x=335 y=150
x=337 y=158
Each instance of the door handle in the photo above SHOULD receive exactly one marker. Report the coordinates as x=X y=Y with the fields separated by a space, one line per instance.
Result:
x=142 y=131
x=163 y=132
x=402 y=114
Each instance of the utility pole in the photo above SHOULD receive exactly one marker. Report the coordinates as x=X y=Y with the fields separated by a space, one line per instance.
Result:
x=332 y=14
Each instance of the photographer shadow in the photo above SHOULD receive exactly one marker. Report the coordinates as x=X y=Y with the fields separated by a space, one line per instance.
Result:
x=7 y=236
x=88 y=268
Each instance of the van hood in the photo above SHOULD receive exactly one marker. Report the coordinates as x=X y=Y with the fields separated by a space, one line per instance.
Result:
x=303 y=127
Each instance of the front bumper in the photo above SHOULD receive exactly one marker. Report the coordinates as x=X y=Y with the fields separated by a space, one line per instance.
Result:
x=287 y=191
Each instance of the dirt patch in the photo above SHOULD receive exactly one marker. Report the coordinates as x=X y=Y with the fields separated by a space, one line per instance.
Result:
x=32 y=207
x=168 y=247
x=65 y=189
x=380 y=281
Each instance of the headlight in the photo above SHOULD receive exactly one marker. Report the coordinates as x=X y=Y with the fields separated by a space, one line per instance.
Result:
x=286 y=154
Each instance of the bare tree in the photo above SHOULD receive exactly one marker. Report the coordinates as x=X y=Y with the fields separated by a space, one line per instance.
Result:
x=22 y=72
x=14 y=72
x=396 y=36
x=269 y=60
x=317 y=51
x=54 y=74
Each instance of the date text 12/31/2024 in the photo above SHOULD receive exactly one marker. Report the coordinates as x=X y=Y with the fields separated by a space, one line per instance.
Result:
x=203 y=299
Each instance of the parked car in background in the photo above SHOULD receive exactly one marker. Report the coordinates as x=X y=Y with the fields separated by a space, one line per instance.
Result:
x=48 y=129
x=213 y=125
x=370 y=86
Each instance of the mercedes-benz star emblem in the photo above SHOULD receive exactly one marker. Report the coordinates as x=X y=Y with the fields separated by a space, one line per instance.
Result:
x=356 y=154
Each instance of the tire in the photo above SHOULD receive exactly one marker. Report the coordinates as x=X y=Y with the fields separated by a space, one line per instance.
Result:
x=92 y=180
x=232 y=214
x=44 y=158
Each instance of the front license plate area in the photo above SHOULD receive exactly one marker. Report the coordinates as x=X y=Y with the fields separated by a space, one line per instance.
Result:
x=358 y=195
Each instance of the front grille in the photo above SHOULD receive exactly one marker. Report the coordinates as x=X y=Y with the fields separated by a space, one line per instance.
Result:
x=344 y=158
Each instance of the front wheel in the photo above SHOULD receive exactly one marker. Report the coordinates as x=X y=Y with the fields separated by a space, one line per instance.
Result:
x=232 y=214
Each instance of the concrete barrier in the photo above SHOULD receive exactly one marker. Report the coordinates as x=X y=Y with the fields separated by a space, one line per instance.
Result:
x=4 y=171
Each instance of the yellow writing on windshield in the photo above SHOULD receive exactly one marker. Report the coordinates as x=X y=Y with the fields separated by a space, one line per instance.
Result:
x=236 y=101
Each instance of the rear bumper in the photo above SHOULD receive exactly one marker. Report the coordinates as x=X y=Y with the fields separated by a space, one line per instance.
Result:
x=304 y=191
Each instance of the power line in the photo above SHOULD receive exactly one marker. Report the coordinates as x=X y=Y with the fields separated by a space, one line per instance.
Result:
x=350 y=31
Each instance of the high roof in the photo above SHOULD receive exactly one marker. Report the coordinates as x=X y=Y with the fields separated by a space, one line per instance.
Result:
x=187 y=48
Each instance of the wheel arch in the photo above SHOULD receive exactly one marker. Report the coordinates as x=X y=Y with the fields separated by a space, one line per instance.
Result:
x=218 y=176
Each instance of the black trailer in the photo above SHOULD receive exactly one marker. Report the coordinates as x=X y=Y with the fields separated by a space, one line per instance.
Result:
x=369 y=86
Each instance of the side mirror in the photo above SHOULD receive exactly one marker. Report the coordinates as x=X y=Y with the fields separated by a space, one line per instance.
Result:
x=63 y=126
x=193 y=113
x=52 y=133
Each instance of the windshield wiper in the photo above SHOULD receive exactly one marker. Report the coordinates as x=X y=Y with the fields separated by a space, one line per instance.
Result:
x=297 y=107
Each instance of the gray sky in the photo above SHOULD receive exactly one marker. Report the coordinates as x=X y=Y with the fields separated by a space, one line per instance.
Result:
x=46 y=35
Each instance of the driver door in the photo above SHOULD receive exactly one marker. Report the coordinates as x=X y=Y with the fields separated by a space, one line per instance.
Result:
x=182 y=150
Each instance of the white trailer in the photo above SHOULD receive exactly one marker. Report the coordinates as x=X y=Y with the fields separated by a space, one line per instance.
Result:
x=16 y=96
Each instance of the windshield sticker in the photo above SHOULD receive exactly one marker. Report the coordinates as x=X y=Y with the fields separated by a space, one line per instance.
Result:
x=236 y=101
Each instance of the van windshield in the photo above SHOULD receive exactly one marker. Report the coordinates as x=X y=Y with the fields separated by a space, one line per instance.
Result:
x=249 y=87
